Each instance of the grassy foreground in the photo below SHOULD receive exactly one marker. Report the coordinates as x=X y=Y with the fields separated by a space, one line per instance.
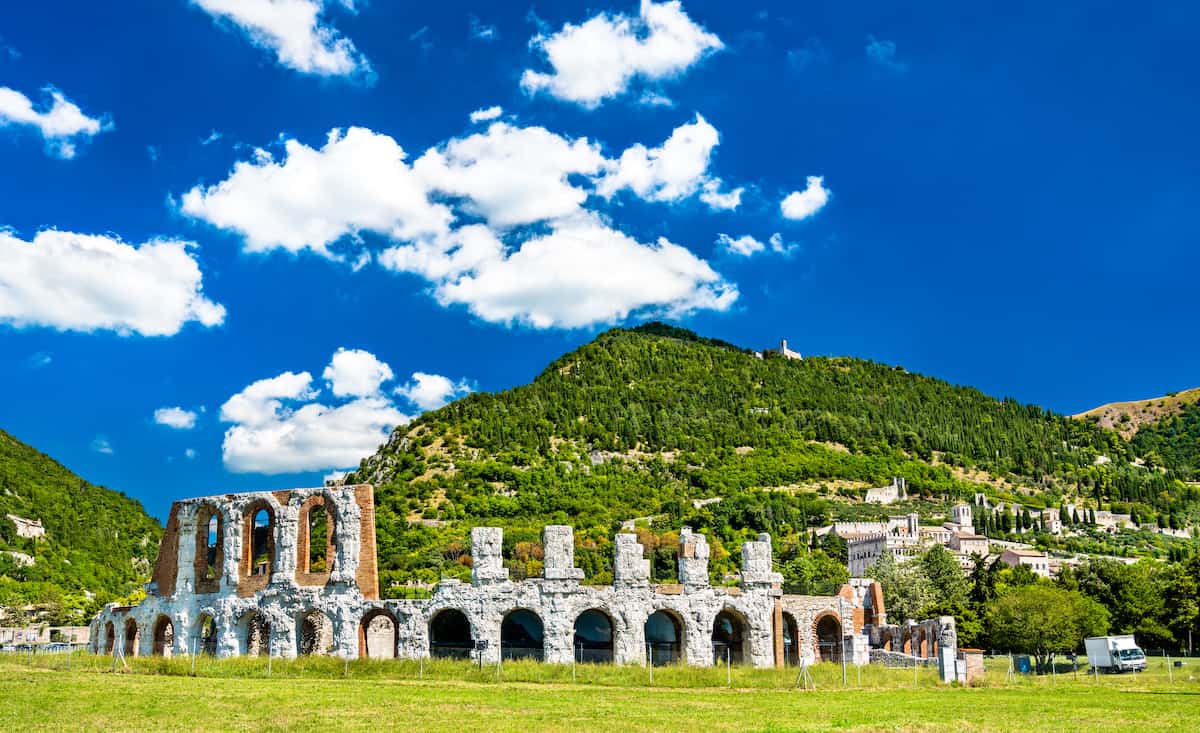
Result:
x=325 y=694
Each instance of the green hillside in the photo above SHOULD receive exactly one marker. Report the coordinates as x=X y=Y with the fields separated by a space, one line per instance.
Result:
x=644 y=422
x=96 y=540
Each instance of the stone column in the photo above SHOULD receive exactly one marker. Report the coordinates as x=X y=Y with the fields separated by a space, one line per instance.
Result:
x=693 y=560
x=631 y=569
x=487 y=560
x=559 y=543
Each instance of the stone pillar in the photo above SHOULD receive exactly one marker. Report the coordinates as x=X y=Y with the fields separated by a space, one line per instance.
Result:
x=287 y=522
x=777 y=624
x=347 y=537
x=559 y=564
x=487 y=560
x=756 y=564
x=631 y=569
x=693 y=560
x=185 y=556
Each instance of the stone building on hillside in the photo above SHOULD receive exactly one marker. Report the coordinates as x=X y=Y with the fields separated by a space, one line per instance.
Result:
x=290 y=573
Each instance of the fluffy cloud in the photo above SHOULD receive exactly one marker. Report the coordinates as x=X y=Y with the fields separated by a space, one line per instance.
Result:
x=80 y=282
x=431 y=391
x=61 y=126
x=100 y=444
x=356 y=373
x=357 y=182
x=883 y=53
x=674 y=171
x=748 y=246
x=582 y=273
x=286 y=424
x=598 y=59
x=175 y=417
x=295 y=30
x=803 y=204
x=512 y=175
x=486 y=114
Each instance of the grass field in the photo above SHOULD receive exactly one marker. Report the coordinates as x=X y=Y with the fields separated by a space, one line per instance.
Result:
x=41 y=694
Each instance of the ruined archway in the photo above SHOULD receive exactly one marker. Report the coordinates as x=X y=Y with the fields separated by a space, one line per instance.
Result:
x=791 y=640
x=664 y=638
x=210 y=556
x=729 y=638
x=906 y=640
x=314 y=634
x=450 y=635
x=206 y=635
x=110 y=637
x=378 y=635
x=258 y=556
x=164 y=637
x=522 y=635
x=256 y=634
x=316 y=541
x=133 y=636
x=828 y=632
x=593 y=637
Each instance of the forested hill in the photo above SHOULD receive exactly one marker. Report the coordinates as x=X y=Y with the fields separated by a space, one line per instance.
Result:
x=97 y=541
x=644 y=422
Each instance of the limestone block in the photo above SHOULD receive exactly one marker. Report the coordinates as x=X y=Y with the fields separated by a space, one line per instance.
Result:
x=630 y=566
x=559 y=563
x=487 y=561
x=693 y=559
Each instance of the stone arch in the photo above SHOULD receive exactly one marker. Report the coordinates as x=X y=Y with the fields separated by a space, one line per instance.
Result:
x=887 y=642
x=730 y=637
x=828 y=632
x=919 y=644
x=210 y=551
x=594 y=635
x=205 y=636
x=791 y=640
x=450 y=634
x=664 y=634
x=258 y=545
x=522 y=635
x=164 y=636
x=110 y=637
x=317 y=556
x=378 y=635
x=314 y=633
x=254 y=634
x=906 y=642
x=133 y=637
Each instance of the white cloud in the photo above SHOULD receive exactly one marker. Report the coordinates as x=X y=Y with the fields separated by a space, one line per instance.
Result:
x=803 y=204
x=100 y=444
x=482 y=31
x=583 y=273
x=189 y=453
x=487 y=113
x=883 y=53
x=512 y=175
x=333 y=476
x=356 y=373
x=672 y=172
x=61 y=126
x=431 y=391
x=296 y=31
x=279 y=427
x=357 y=182
x=213 y=137
x=744 y=245
x=175 y=417
x=80 y=282
x=598 y=59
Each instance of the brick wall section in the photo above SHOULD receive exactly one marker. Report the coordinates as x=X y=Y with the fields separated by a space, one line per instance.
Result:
x=304 y=542
x=249 y=584
x=777 y=622
x=208 y=585
x=166 y=567
x=368 y=570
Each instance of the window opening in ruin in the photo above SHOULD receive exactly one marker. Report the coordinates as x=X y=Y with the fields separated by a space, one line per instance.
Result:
x=450 y=635
x=379 y=635
x=521 y=635
x=258 y=635
x=132 y=637
x=664 y=634
x=318 y=539
x=593 y=637
x=791 y=640
x=314 y=634
x=829 y=639
x=206 y=643
x=260 y=556
x=728 y=638
x=109 y=637
x=211 y=569
x=164 y=637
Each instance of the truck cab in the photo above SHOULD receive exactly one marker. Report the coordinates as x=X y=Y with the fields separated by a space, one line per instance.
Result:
x=1115 y=653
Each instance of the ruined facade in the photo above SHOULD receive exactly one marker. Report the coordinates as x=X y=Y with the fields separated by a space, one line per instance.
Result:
x=290 y=573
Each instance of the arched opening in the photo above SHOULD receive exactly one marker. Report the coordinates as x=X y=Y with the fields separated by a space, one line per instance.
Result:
x=829 y=638
x=918 y=643
x=791 y=640
x=906 y=644
x=110 y=637
x=521 y=635
x=664 y=638
x=314 y=634
x=729 y=638
x=132 y=638
x=164 y=637
x=262 y=543
x=593 y=637
x=377 y=635
x=887 y=643
x=210 y=533
x=320 y=537
x=257 y=635
x=450 y=635
x=206 y=635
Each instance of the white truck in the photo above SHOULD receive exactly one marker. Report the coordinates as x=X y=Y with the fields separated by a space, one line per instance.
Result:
x=1115 y=654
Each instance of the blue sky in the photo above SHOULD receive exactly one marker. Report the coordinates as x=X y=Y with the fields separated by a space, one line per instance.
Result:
x=241 y=239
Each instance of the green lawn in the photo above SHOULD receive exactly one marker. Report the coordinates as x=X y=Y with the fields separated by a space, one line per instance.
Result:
x=326 y=694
